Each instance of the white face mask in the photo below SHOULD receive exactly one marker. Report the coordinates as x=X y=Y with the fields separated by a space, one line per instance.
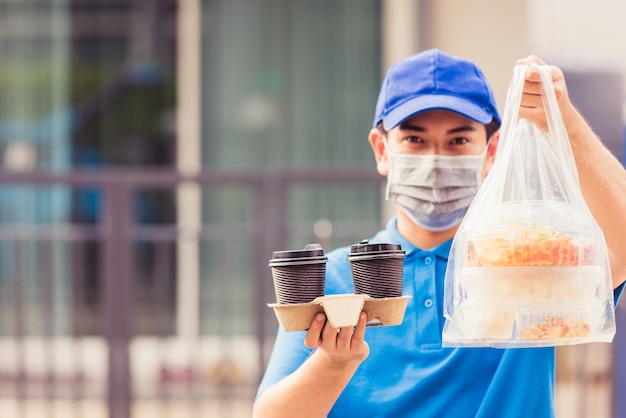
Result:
x=434 y=190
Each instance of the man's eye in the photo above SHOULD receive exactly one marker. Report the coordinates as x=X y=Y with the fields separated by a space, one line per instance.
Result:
x=459 y=141
x=414 y=139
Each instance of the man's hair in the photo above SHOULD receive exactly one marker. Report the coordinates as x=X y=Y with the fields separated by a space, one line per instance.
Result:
x=490 y=128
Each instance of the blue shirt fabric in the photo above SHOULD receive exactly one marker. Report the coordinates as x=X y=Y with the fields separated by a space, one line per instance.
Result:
x=408 y=373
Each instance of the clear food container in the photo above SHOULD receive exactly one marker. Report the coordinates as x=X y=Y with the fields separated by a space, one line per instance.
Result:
x=529 y=276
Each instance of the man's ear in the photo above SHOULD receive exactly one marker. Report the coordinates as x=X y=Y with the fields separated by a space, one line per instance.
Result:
x=492 y=147
x=376 y=140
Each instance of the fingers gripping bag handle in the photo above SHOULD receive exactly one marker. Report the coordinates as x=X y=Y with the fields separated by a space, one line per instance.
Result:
x=529 y=265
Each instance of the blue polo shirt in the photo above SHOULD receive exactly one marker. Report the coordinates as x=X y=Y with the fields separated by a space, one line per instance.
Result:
x=408 y=373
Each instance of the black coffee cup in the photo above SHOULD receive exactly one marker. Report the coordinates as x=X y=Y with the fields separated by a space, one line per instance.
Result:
x=299 y=276
x=377 y=269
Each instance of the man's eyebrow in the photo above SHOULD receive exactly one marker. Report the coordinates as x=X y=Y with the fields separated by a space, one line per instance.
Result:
x=410 y=127
x=464 y=128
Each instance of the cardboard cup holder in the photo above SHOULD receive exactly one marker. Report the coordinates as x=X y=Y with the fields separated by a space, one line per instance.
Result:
x=342 y=311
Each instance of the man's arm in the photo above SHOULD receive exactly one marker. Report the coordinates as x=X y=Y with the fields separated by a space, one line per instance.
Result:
x=602 y=177
x=313 y=389
x=603 y=183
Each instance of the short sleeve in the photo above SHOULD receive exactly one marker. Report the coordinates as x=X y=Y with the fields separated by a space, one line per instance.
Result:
x=288 y=354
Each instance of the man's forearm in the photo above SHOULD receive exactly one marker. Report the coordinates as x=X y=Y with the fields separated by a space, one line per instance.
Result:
x=311 y=391
x=603 y=183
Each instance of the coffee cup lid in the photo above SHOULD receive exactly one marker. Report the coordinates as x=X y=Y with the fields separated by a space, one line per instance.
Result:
x=311 y=252
x=365 y=247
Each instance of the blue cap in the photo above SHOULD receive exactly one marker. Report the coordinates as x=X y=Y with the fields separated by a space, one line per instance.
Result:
x=434 y=80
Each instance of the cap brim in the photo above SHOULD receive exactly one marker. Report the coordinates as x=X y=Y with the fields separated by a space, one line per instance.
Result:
x=433 y=102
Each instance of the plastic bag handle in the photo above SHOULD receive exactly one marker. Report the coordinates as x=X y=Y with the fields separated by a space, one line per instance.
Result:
x=511 y=108
x=556 y=135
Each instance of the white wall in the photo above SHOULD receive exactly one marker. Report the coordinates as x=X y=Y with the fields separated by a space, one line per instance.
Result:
x=492 y=33
x=586 y=33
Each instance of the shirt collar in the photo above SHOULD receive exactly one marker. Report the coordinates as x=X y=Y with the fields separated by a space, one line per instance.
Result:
x=442 y=250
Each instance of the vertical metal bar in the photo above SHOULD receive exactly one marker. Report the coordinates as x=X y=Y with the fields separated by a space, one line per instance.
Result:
x=162 y=309
x=5 y=317
x=20 y=328
x=117 y=292
x=77 y=317
x=260 y=268
x=272 y=197
x=193 y=361
x=281 y=194
x=46 y=273
x=224 y=305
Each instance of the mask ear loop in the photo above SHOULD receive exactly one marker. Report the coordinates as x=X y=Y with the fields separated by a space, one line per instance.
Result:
x=389 y=175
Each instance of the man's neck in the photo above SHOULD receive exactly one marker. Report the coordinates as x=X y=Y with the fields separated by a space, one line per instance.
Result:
x=421 y=237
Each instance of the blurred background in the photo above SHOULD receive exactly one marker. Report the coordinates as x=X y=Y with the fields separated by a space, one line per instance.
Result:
x=154 y=153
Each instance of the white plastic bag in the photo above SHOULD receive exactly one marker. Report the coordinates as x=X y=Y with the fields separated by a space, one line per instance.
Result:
x=529 y=264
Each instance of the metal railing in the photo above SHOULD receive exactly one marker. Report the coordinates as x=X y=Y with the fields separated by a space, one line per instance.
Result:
x=88 y=311
x=112 y=284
